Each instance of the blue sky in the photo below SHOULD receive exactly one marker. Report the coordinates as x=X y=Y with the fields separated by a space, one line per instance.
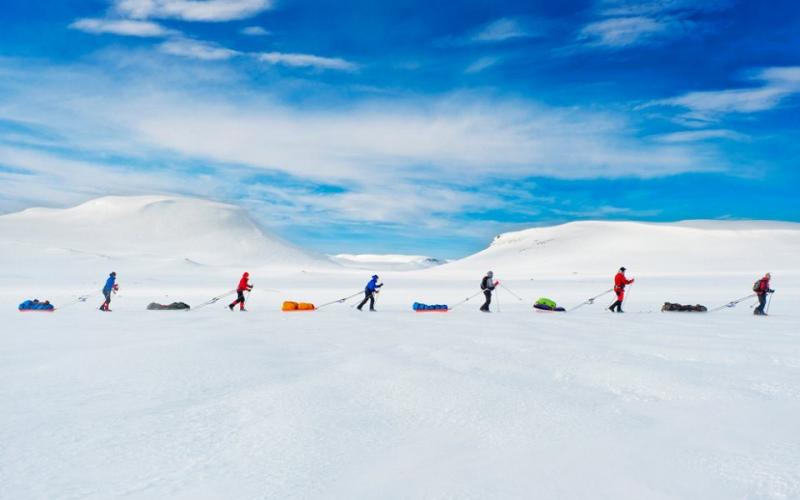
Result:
x=414 y=127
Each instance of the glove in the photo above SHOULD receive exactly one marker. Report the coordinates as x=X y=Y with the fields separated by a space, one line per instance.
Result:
x=496 y=282
x=770 y=291
x=632 y=280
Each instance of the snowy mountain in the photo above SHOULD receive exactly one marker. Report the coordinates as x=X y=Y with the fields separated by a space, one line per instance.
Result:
x=200 y=231
x=386 y=262
x=599 y=248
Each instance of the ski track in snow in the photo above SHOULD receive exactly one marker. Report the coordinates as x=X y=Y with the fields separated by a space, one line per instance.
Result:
x=337 y=404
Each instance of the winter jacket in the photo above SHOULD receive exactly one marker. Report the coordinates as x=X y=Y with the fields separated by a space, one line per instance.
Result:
x=620 y=281
x=372 y=286
x=110 y=282
x=763 y=286
x=244 y=284
x=487 y=283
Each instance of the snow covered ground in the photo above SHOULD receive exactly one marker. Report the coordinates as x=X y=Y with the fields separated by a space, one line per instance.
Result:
x=386 y=262
x=340 y=404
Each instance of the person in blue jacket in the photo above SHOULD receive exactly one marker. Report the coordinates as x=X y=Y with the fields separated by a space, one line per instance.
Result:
x=110 y=286
x=369 y=293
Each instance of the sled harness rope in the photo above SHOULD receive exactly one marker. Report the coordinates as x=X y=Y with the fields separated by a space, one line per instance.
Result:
x=592 y=299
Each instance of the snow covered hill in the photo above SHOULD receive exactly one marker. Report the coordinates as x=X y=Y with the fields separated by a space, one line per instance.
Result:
x=201 y=231
x=599 y=248
x=387 y=262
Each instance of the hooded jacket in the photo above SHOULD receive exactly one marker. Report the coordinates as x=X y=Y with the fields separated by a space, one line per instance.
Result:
x=244 y=283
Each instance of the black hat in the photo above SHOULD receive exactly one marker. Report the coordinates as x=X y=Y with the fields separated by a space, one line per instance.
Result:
x=622 y=269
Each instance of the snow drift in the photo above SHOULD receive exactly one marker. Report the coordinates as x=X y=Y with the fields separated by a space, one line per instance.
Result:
x=599 y=248
x=201 y=231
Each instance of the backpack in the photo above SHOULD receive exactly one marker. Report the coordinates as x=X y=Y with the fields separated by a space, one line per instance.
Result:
x=485 y=283
x=757 y=286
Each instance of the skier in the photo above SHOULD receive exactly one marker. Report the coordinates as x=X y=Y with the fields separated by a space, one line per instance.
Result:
x=369 y=293
x=620 y=281
x=488 y=285
x=244 y=285
x=110 y=286
x=761 y=287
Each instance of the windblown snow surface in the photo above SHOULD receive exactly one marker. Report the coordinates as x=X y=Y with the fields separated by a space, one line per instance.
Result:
x=394 y=404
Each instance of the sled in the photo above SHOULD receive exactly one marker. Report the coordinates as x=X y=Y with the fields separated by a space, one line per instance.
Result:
x=290 y=306
x=424 y=308
x=674 y=307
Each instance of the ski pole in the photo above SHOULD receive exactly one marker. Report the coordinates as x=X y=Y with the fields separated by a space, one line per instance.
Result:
x=340 y=301
x=591 y=299
x=497 y=300
x=626 y=296
x=511 y=291
x=769 y=301
x=466 y=300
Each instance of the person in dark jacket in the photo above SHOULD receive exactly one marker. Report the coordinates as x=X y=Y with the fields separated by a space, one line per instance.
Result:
x=620 y=281
x=110 y=286
x=762 y=289
x=488 y=284
x=369 y=293
x=244 y=286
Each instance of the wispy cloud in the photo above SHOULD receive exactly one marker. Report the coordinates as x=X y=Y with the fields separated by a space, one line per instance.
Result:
x=776 y=84
x=254 y=31
x=191 y=10
x=306 y=61
x=403 y=143
x=623 y=31
x=196 y=49
x=699 y=135
x=481 y=64
x=124 y=27
x=498 y=31
x=619 y=24
x=501 y=30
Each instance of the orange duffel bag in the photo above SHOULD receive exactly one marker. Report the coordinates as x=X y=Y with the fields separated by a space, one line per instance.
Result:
x=289 y=306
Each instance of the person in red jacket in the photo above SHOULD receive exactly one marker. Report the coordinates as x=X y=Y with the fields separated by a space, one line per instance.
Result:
x=762 y=289
x=620 y=281
x=244 y=285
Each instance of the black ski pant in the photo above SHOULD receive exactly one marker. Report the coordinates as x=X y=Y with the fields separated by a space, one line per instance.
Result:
x=488 y=301
x=762 y=302
x=107 y=295
x=368 y=296
x=617 y=305
x=239 y=299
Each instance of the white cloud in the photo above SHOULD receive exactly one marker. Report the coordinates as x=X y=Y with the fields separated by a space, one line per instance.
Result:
x=620 y=24
x=306 y=61
x=501 y=30
x=254 y=31
x=481 y=64
x=195 y=49
x=659 y=7
x=124 y=27
x=699 y=135
x=497 y=31
x=191 y=10
x=622 y=31
x=777 y=84
x=383 y=150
